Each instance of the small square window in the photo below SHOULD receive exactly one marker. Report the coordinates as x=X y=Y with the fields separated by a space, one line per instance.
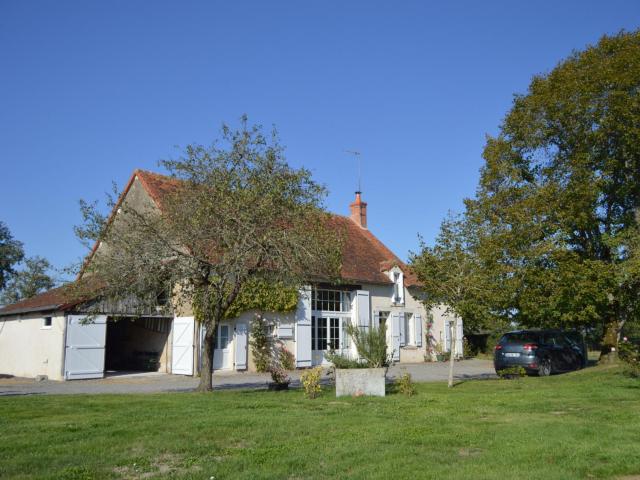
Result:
x=47 y=322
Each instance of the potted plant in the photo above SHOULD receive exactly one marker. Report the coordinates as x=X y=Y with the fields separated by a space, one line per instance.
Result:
x=439 y=353
x=367 y=374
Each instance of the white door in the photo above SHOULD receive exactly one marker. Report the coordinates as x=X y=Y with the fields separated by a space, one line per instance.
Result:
x=242 y=331
x=222 y=353
x=182 y=348
x=84 y=347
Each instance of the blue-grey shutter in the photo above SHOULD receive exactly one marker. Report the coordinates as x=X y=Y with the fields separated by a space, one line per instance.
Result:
x=376 y=319
x=363 y=310
x=241 y=346
x=459 y=335
x=447 y=336
x=303 y=328
x=403 y=336
x=417 y=318
x=395 y=335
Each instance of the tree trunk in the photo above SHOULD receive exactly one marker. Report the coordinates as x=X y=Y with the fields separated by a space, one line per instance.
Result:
x=206 y=372
x=452 y=353
x=609 y=352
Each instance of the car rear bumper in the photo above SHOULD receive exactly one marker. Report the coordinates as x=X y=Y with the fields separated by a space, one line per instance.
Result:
x=527 y=362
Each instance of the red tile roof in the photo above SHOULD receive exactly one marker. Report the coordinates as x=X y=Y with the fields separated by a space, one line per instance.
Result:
x=364 y=257
x=61 y=298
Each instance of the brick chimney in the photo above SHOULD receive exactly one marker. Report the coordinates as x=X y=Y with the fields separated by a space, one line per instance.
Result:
x=359 y=211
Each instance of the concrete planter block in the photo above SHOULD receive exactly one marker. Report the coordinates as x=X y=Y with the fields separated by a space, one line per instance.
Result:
x=360 y=381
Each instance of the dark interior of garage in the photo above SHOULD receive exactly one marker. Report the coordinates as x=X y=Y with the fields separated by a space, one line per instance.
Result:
x=137 y=344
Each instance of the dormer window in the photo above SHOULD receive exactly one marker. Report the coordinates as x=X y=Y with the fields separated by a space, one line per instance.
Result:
x=398 y=286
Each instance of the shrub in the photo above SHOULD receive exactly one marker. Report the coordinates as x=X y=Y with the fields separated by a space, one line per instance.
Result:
x=340 y=361
x=405 y=385
x=311 y=382
x=371 y=344
x=629 y=355
x=279 y=374
x=512 y=372
x=287 y=360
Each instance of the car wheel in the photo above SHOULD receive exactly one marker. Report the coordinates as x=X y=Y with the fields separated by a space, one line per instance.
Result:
x=544 y=370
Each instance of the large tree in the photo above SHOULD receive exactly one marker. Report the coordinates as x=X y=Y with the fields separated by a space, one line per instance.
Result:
x=32 y=279
x=11 y=253
x=556 y=208
x=235 y=215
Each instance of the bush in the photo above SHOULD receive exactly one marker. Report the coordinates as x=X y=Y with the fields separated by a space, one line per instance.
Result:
x=629 y=355
x=405 y=385
x=311 y=382
x=278 y=374
x=512 y=372
x=371 y=344
x=287 y=360
x=340 y=361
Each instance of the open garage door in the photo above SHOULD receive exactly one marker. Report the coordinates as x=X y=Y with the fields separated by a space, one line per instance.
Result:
x=182 y=350
x=84 y=347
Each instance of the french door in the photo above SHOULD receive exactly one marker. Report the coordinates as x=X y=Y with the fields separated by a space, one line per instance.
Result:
x=328 y=333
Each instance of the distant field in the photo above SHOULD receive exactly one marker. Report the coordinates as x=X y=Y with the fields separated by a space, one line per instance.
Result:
x=580 y=425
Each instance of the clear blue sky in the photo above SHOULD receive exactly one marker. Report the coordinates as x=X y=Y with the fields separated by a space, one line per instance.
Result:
x=91 y=90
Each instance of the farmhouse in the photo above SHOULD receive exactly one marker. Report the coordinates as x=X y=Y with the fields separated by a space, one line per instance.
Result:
x=49 y=333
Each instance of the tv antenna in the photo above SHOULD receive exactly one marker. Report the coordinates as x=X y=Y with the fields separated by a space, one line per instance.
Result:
x=357 y=156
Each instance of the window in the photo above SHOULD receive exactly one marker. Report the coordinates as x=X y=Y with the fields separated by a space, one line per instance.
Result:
x=330 y=300
x=326 y=333
x=47 y=322
x=223 y=337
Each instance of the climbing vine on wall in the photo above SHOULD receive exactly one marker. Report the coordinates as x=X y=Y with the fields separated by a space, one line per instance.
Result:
x=255 y=295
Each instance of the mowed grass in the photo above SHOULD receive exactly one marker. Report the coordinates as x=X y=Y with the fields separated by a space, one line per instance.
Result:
x=580 y=425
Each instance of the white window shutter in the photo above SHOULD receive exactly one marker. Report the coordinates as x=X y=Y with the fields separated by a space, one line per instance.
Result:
x=395 y=335
x=402 y=332
x=241 y=346
x=303 y=328
x=376 y=319
x=285 y=329
x=363 y=311
x=417 y=318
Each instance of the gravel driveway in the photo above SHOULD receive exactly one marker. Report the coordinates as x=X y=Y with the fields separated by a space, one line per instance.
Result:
x=161 y=382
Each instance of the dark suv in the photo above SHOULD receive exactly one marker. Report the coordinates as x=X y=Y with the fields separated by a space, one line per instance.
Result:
x=540 y=352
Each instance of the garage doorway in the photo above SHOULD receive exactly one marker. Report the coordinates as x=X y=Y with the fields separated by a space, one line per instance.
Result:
x=137 y=345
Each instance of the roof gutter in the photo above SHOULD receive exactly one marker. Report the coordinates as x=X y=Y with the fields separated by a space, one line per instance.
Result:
x=43 y=308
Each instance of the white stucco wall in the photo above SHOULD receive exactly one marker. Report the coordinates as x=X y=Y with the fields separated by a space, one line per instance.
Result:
x=381 y=300
x=27 y=349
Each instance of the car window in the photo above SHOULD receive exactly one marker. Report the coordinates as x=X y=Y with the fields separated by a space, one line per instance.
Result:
x=561 y=340
x=520 y=337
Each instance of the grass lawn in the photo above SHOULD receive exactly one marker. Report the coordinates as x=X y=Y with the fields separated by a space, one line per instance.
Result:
x=580 y=425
